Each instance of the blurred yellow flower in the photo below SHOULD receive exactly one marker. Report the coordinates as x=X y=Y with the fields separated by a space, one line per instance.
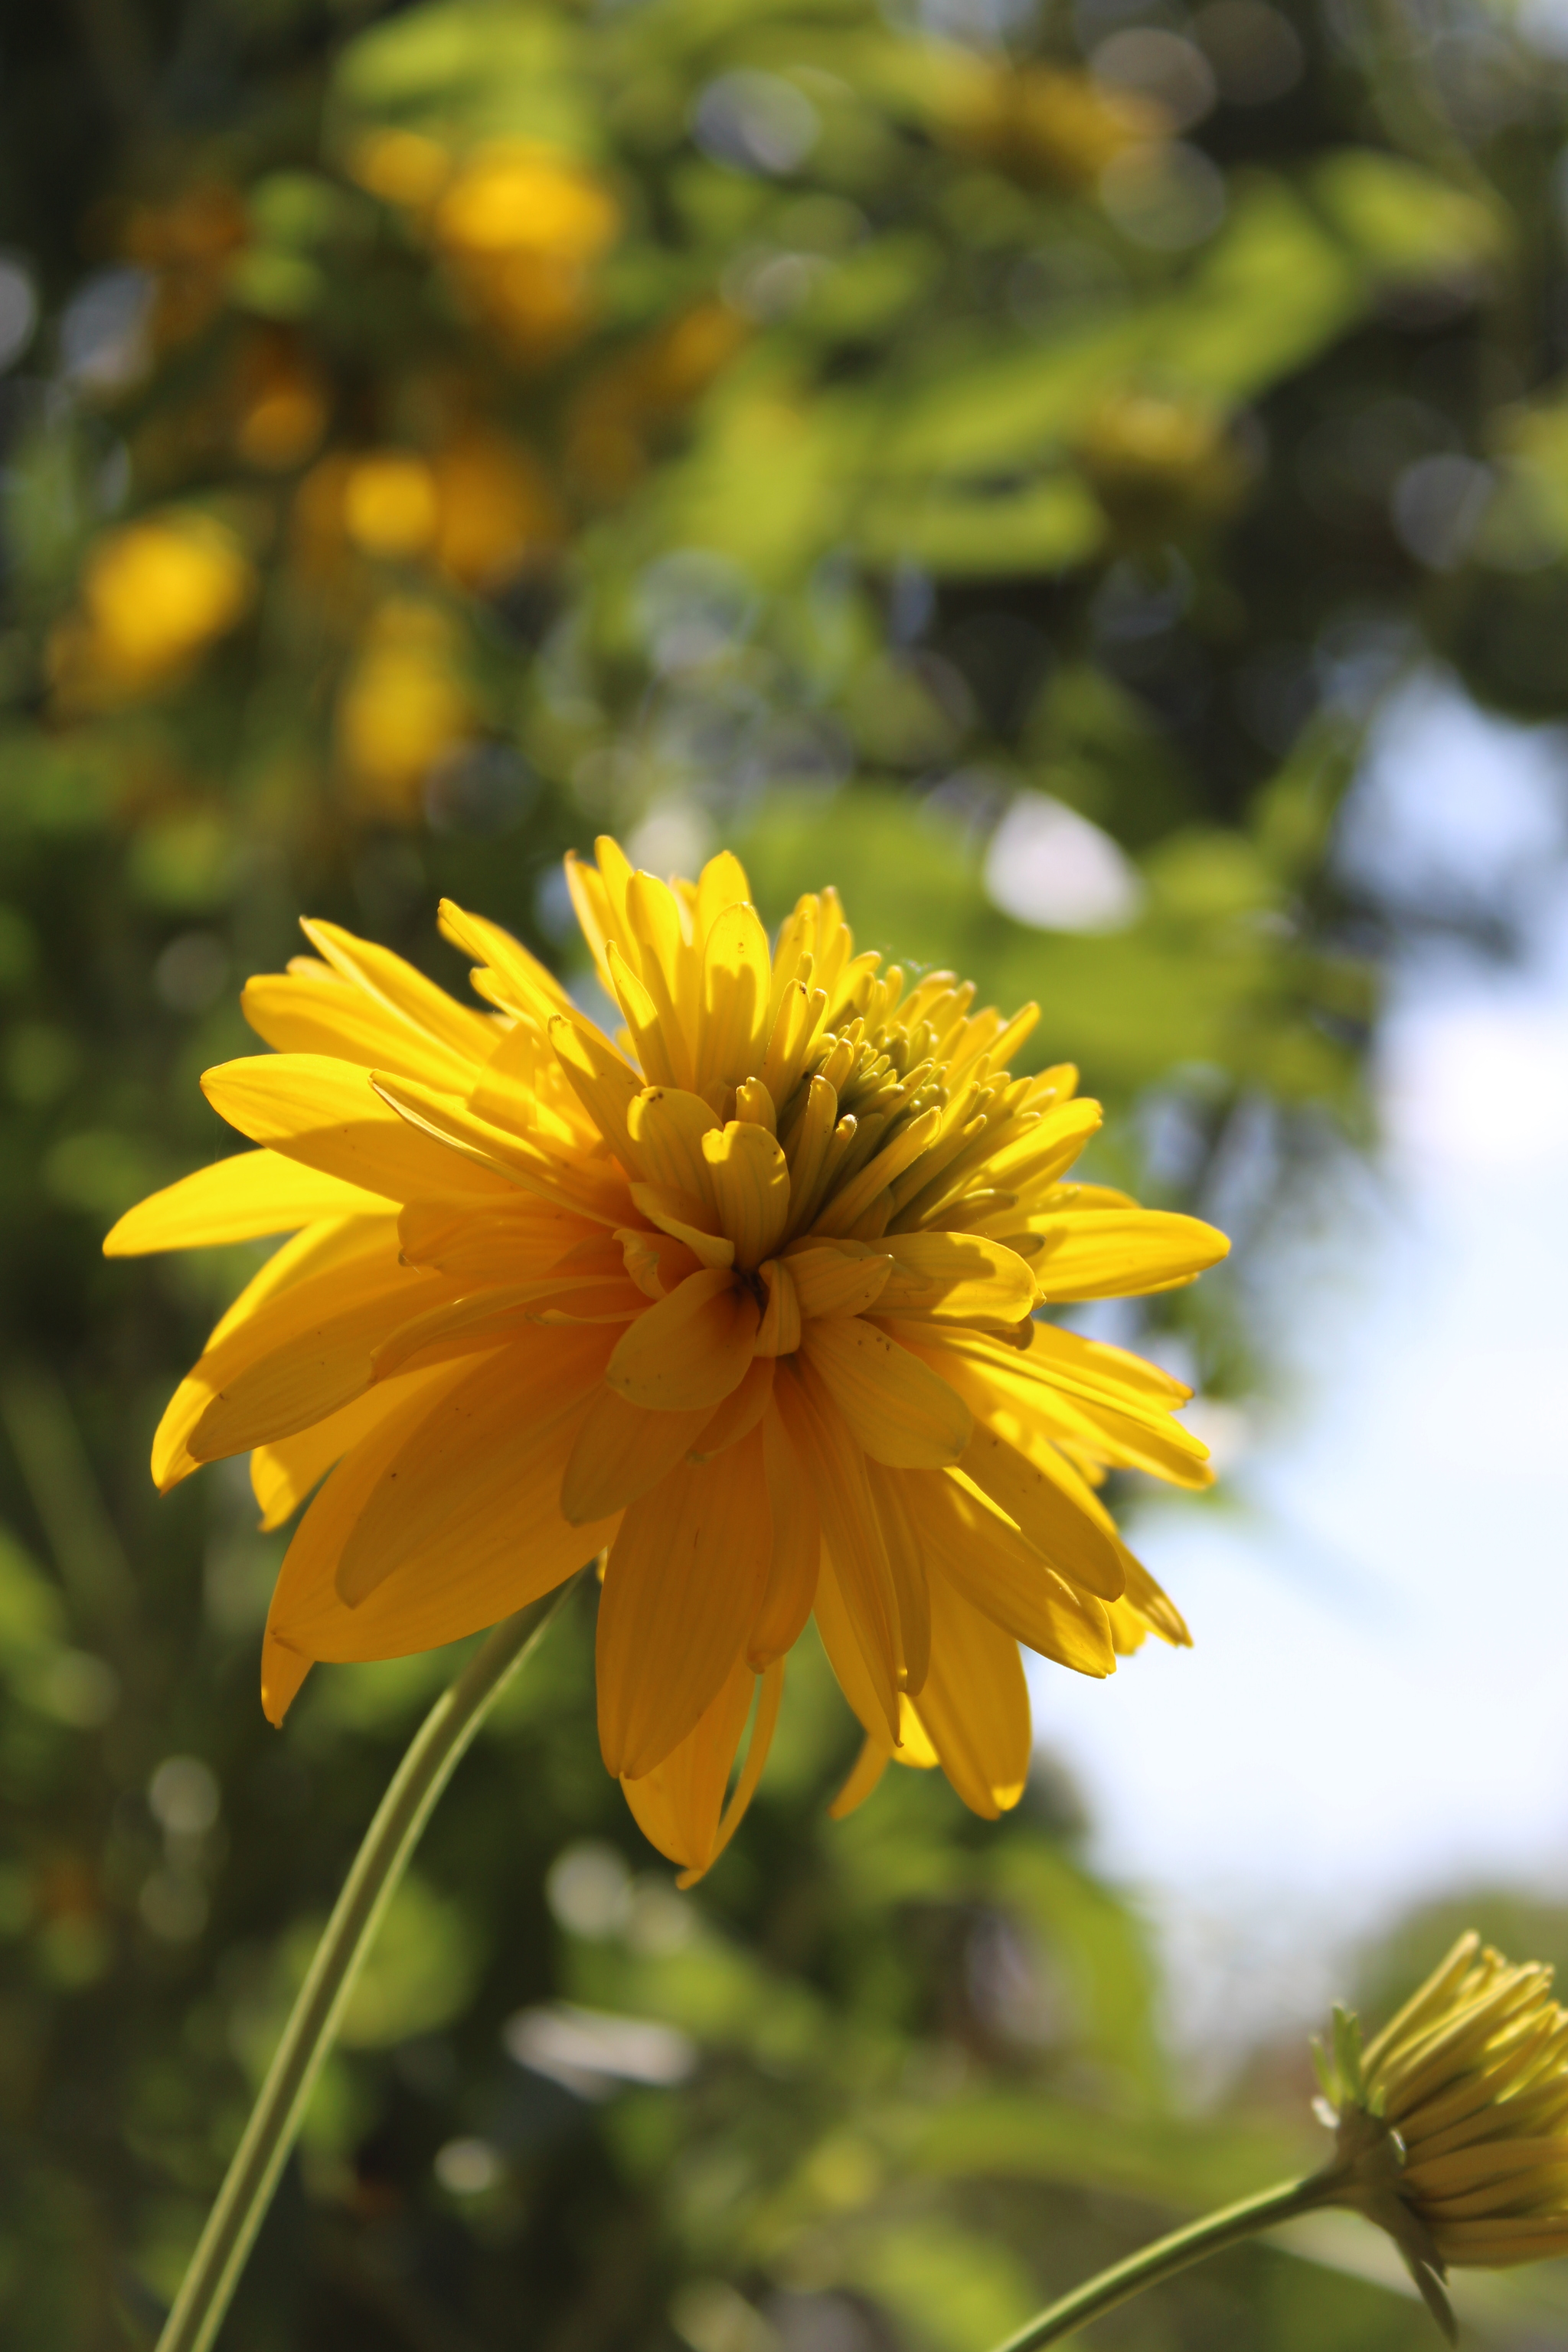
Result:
x=281 y=403
x=521 y=228
x=619 y=412
x=1043 y=124
x=153 y=596
x=188 y=245
x=745 y=1303
x=496 y=512
x=1464 y=2097
x=1158 y=460
x=389 y=503
x=401 y=166
x=403 y=703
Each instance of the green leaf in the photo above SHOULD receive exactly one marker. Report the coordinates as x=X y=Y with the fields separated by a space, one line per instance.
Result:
x=1403 y=221
x=1043 y=527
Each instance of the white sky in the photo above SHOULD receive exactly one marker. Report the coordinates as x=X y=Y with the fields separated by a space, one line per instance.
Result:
x=1375 y=1709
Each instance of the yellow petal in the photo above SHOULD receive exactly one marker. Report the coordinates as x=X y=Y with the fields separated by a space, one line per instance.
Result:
x=327 y=1114
x=597 y=920
x=955 y=1278
x=999 y=1573
x=282 y=1475
x=669 y=969
x=571 y=1184
x=791 y=1587
x=485 y=1320
x=1042 y=1152
x=507 y=975
x=778 y=1334
x=1154 y=1605
x=842 y=1279
x=899 y=1410
x=976 y=1704
x=516 y=1240
x=314 y=1011
x=621 y=1452
x=323 y=1272
x=358 y=1247
x=876 y=1707
x=894 y=1498
x=685 y=1219
x=875 y=1757
x=472 y=1501
x=749 y=1176
x=272 y=1390
x=1076 y=1545
x=768 y=1695
x=851 y=1534
x=667 y=1125
x=282 y=1672
x=1092 y=1369
x=737 y=976
x=681 y=1587
x=676 y=1804
x=305 y=1612
x=240 y=1199
x=914 y=1749
x=846 y=1208
x=722 y=883
x=1065 y=1394
x=796 y=1024
x=604 y=1083
x=386 y=976
x=690 y=1349
x=1015 y=1415
x=641 y=1018
x=657 y=1262
x=741 y=1410
x=1119 y=1253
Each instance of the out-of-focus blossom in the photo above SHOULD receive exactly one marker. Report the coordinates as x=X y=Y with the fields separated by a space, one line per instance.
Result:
x=401 y=167
x=188 y=245
x=622 y=409
x=404 y=703
x=389 y=503
x=153 y=596
x=1043 y=124
x=1157 y=461
x=496 y=512
x=521 y=228
x=282 y=403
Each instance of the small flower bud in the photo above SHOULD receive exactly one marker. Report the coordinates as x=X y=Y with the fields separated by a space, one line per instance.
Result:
x=1452 y=2122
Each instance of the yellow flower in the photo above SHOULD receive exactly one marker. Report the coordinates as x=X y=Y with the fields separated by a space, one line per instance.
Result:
x=1042 y=124
x=1456 y=2115
x=522 y=226
x=403 y=703
x=744 y=1303
x=154 y=595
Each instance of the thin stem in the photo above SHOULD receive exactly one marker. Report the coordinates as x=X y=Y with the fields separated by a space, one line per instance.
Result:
x=252 y=2175
x=1168 y=2256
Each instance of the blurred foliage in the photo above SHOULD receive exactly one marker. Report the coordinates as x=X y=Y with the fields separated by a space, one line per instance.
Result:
x=994 y=457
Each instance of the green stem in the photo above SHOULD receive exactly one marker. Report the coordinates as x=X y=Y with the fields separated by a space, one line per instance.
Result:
x=1168 y=2256
x=252 y=2176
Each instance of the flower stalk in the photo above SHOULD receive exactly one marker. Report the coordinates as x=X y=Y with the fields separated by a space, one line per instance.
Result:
x=1450 y=2133
x=1166 y=2256
x=432 y=1757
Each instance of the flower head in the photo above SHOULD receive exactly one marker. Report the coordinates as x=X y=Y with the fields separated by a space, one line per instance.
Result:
x=744 y=1301
x=1453 y=2121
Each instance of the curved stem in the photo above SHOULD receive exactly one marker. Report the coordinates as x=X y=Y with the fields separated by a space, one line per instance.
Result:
x=252 y=2175
x=1168 y=2256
